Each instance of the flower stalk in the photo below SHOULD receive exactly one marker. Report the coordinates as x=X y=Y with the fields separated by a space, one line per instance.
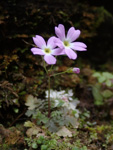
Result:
x=59 y=73
x=49 y=101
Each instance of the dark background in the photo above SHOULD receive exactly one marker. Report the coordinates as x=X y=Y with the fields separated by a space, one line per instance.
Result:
x=20 y=20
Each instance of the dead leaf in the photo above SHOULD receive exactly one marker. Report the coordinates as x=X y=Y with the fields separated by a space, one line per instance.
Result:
x=33 y=131
x=64 y=132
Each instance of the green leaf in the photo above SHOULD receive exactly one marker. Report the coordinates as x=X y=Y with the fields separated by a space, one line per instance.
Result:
x=44 y=147
x=108 y=83
x=97 y=95
x=96 y=74
x=31 y=102
x=28 y=124
x=84 y=148
x=41 y=138
x=73 y=121
x=39 y=141
x=60 y=103
x=30 y=113
x=107 y=93
x=101 y=79
x=16 y=110
x=41 y=118
x=34 y=145
x=107 y=75
x=76 y=148
x=52 y=126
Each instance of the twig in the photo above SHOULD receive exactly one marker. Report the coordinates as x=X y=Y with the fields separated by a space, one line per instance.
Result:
x=28 y=43
x=18 y=117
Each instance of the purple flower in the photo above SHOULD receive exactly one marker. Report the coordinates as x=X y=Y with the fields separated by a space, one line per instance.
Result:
x=76 y=70
x=47 y=50
x=66 y=43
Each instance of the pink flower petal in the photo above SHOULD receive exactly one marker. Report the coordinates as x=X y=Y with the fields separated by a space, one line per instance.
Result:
x=39 y=41
x=58 y=51
x=70 y=53
x=80 y=44
x=62 y=29
x=37 y=51
x=73 y=34
x=78 y=48
x=59 y=43
x=63 y=52
x=59 y=33
x=51 y=42
x=50 y=59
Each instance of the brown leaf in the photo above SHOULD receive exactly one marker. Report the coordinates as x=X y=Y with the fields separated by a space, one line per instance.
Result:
x=64 y=132
x=33 y=131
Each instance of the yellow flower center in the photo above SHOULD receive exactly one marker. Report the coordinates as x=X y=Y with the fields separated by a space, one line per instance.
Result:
x=47 y=50
x=66 y=43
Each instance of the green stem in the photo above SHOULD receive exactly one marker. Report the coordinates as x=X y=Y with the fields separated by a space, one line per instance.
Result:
x=45 y=67
x=49 y=76
x=59 y=73
x=49 y=102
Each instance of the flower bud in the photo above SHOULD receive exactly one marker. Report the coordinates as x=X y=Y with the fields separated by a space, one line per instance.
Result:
x=76 y=70
x=73 y=70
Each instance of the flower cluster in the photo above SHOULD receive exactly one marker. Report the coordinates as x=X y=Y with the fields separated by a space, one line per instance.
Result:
x=62 y=44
